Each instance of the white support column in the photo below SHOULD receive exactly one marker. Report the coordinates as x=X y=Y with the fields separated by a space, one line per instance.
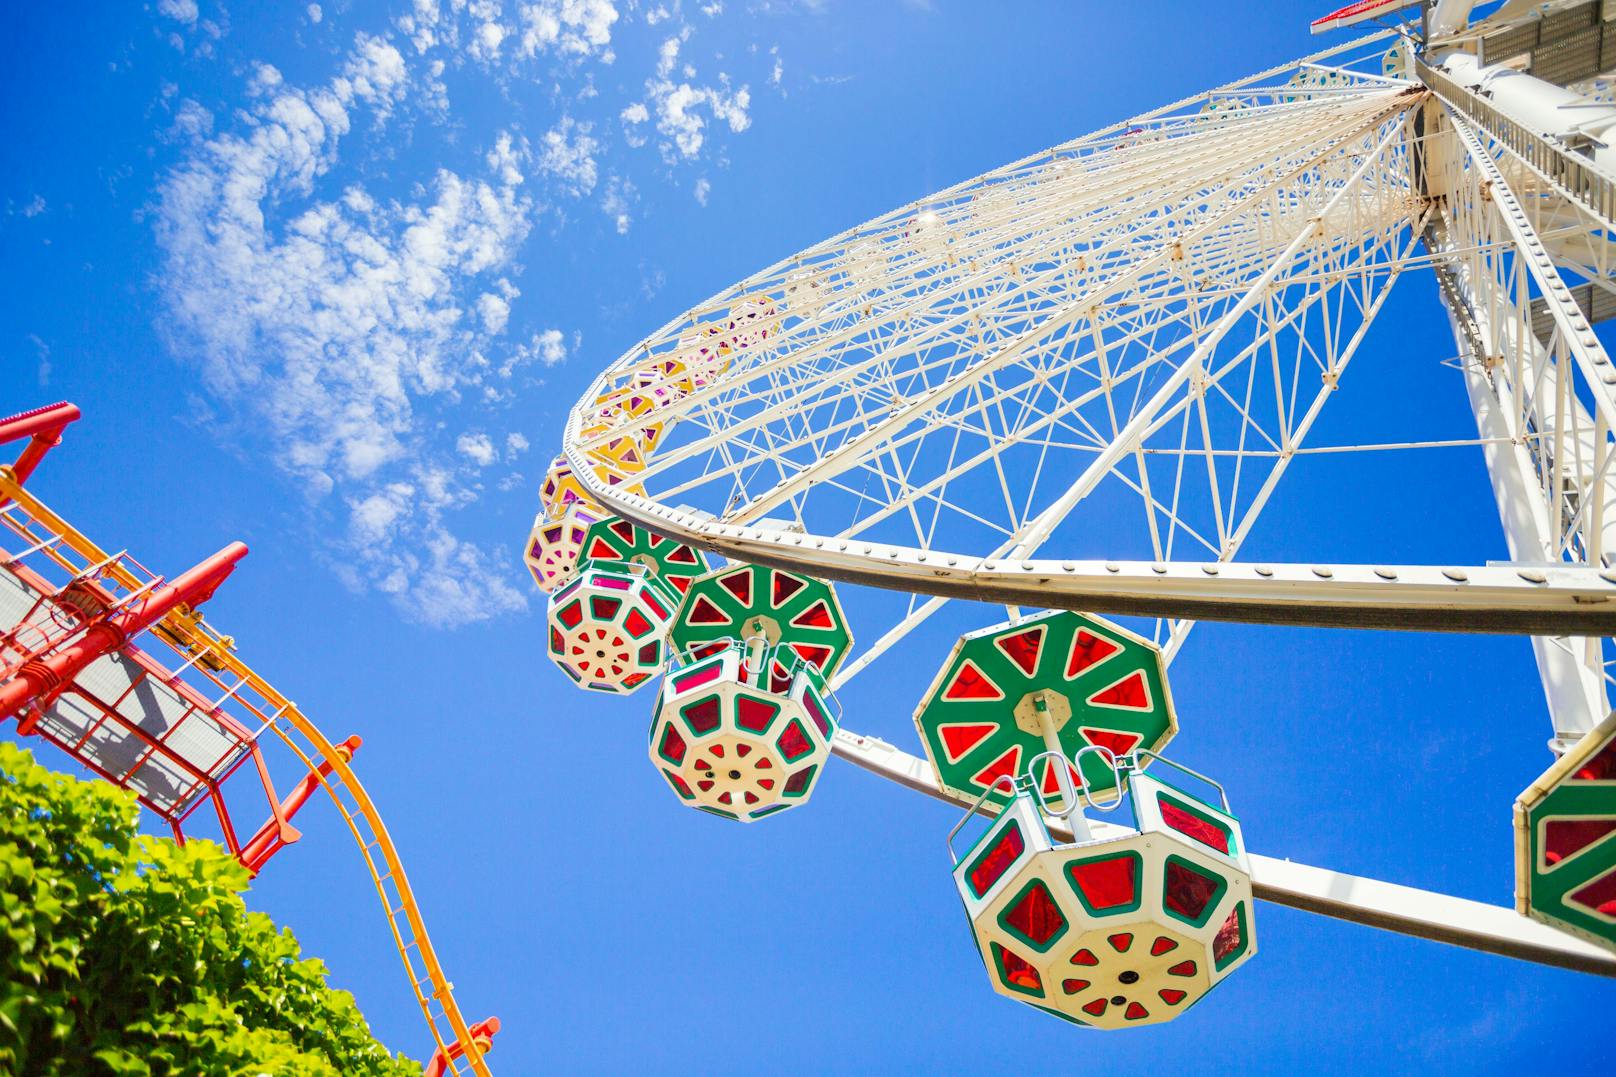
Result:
x=1574 y=693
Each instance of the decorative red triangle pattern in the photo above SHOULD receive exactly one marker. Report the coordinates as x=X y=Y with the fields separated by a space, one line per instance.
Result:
x=704 y=612
x=1598 y=896
x=815 y=616
x=738 y=584
x=1130 y=693
x=1023 y=648
x=1088 y=651
x=970 y=683
x=1117 y=742
x=785 y=585
x=1565 y=838
x=1009 y=762
x=959 y=739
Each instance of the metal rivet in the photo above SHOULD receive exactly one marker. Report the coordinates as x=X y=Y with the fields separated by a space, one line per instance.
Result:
x=1386 y=573
x=1112 y=566
x=1264 y=570
x=1323 y=572
x=1532 y=575
x=1455 y=574
x=1210 y=570
x=1158 y=567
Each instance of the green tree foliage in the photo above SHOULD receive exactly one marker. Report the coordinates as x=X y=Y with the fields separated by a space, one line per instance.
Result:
x=123 y=954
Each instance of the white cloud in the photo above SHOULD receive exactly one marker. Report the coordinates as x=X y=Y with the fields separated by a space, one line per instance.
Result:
x=315 y=14
x=683 y=111
x=478 y=448
x=506 y=157
x=657 y=14
x=191 y=121
x=374 y=74
x=703 y=188
x=44 y=368
x=371 y=519
x=546 y=347
x=713 y=9
x=633 y=116
x=515 y=445
x=567 y=152
x=330 y=320
x=486 y=41
x=265 y=78
x=495 y=312
x=616 y=201
x=33 y=207
x=668 y=53
x=678 y=113
x=550 y=347
x=576 y=28
x=179 y=10
x=775 y=75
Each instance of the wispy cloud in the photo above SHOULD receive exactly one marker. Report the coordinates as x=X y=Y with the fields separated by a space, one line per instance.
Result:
x=179 y=10
x=364 y=319
x=330 y=319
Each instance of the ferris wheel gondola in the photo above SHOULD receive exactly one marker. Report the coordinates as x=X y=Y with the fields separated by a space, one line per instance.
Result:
x=1074 y=383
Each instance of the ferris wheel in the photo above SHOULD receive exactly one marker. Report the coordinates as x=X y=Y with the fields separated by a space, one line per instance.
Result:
x=1070 y=387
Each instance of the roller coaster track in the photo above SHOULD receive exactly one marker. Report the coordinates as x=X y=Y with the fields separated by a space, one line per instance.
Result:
x=433 y=991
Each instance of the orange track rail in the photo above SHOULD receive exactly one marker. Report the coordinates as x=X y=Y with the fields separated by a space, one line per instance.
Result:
x=452 y=1037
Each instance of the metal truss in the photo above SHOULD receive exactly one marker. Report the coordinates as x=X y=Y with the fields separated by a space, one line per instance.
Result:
x=1548 y=399
x=1152 y=316
x=1115 y=349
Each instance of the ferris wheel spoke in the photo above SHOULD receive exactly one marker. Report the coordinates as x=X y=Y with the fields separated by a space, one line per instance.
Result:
x=849 y=371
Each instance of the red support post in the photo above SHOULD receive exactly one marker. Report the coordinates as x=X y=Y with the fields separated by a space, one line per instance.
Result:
x=43 y=427
x=277 y=832
x=482 y=1034
x=42 y=678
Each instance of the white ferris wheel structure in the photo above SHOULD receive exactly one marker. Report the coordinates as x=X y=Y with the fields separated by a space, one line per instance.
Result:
x=1076 y=382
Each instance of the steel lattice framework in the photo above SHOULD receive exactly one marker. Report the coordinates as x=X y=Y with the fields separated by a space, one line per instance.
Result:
x=1113 y=350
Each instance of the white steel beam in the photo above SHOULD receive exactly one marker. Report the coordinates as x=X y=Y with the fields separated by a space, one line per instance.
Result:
x=1551 y=599
x=1473 y=925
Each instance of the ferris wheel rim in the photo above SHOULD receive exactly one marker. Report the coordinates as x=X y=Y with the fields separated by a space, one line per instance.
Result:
x=1497 y=598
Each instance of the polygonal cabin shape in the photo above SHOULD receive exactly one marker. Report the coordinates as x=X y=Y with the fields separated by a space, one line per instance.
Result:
x=629 y=412
x=1114 y=932
x=607 y=627
x=561 y=486
x=554 y=545
x=730 y=746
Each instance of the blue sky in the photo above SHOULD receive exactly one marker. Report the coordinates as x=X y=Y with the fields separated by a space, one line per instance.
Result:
x=326 y=278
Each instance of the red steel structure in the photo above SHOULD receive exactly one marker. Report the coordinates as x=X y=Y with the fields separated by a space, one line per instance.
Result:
x=114 y=665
